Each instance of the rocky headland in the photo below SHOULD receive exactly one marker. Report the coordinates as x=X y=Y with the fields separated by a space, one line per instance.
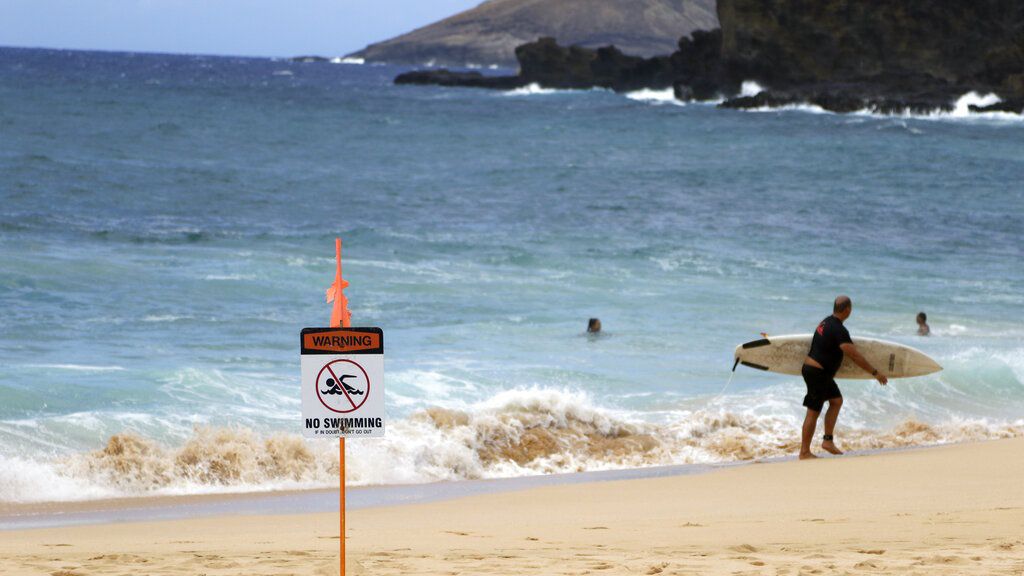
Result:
x=489 y=33
x=886 y=56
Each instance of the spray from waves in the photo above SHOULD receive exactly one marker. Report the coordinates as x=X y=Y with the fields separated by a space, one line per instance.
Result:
x=535 y=89
x=749 y=88
x=530 y=89
x=961 y=108
x=212 y=460
x=516 y=433
x=656 y=97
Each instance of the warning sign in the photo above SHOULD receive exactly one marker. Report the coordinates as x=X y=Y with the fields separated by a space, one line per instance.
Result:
x=342 y=382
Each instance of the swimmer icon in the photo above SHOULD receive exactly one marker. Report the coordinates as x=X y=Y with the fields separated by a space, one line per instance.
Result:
x=342 y=386
x=333 y=388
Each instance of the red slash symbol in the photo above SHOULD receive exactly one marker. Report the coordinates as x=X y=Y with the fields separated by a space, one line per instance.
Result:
x=346 y=393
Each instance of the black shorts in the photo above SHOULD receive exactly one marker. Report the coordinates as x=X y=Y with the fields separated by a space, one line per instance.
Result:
x=820 y=387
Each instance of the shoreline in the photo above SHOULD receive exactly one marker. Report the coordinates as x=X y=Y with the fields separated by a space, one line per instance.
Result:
x=954 y=509
x=55 y=514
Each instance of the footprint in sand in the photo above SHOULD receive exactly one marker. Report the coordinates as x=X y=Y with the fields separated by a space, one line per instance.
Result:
x=121 y=558
x=877 y=551
x=595 y=527
x=945 y=560
x=657 y=568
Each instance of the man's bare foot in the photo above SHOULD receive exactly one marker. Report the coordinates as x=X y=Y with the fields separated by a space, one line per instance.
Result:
x=806 y=456
x=830 y=447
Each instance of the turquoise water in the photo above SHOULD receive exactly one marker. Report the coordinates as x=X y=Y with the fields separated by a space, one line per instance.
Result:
x=167 y=226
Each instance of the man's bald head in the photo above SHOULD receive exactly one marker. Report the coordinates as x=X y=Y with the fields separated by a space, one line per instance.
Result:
x=842 y=305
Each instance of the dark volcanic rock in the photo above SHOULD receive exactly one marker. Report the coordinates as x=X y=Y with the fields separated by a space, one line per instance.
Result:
x=761 y=100
x=935 y=49
x=548 y=64
x=697 y=67
x=444 y=77
x=1015 y=106
x=840 y=98
x=554 y=66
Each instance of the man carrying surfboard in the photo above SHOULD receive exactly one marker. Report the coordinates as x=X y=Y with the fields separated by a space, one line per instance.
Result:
x=831 y=341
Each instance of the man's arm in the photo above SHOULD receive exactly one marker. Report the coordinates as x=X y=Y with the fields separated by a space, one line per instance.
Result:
x=850 y=349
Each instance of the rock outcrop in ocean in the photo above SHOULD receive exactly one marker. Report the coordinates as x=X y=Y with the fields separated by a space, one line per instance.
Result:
x=842 y=55
x=490 y=33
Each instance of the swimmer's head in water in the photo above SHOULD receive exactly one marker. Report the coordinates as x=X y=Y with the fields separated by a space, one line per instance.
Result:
x=842 y=307
x=594 y=325
x=922 y=317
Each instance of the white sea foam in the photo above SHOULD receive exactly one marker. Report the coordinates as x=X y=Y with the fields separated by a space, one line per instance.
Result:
x=517 y=432
x=962 y=108
x=951 y=330
x=164 y=318
x=657 y=97
x=961 y=111
x=530 y=90
x=282 y=73
x=77 y=367
x=809 y=108
x=348 y=60
x=229 y=277
x=24 y=480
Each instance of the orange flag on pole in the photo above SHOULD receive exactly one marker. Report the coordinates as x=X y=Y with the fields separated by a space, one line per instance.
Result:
x=336 y=293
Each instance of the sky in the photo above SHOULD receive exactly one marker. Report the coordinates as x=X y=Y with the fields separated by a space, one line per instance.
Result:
x=229 y=27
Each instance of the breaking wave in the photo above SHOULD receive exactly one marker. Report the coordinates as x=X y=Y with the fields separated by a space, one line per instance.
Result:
x=535 y=89
x=516 y=433
x=961 y=108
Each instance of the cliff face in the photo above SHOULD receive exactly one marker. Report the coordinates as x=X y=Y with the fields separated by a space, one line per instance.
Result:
x=490 y=33
x=892 y=44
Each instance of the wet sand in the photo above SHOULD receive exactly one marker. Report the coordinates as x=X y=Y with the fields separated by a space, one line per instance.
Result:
x=947 y=510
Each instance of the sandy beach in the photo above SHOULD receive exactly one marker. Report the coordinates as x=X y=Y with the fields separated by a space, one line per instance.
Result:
x=946 y=510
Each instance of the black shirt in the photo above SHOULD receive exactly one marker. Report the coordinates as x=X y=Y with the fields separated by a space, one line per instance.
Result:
x=825 y=349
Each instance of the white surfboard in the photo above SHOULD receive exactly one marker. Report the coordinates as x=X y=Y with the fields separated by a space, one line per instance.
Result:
x=785 y=355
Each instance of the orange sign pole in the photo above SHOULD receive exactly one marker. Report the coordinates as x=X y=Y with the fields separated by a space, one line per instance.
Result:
x=340 y=317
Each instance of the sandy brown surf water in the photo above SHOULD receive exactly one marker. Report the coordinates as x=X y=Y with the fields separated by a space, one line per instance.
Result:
x=947 y=510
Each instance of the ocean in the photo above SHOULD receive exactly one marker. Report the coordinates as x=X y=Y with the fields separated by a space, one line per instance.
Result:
x=167 y=228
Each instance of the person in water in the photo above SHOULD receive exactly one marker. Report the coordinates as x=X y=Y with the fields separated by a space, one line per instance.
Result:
x=922 y=325
x=594 y=326
x=831 y=341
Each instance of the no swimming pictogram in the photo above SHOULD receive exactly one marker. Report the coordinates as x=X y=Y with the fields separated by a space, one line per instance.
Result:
x=342 y=386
